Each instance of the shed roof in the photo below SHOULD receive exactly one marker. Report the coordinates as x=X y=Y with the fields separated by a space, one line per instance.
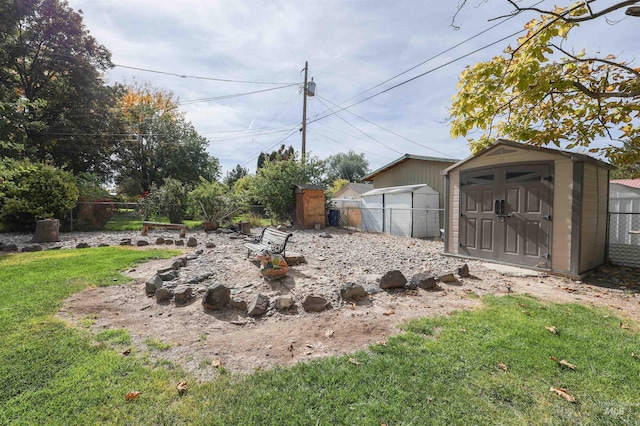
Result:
x=359 y=188
x=400 y=189
x=577 y=157
x=405 y=158
x=309 y=186
x=632 y=183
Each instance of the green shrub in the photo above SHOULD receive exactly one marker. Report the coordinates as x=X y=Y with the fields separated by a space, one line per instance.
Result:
x=211 y=202
x=34 y=191
x=168 y=200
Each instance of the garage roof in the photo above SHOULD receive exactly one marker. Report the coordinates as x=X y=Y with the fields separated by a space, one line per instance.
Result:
x=404 y=158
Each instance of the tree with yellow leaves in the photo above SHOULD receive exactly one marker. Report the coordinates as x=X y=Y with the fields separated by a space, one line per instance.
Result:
x=540 y=92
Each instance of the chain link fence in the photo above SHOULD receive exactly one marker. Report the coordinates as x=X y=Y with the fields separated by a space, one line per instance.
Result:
x=111 y=215
x=624 y=239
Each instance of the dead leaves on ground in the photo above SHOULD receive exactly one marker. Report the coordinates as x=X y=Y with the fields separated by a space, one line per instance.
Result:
x=132 y=396
x=563 y=363
x=389 y=312
x=552 y=329
x=563 y=393
x=502 y=366
x=182 y=387
x=354 y=361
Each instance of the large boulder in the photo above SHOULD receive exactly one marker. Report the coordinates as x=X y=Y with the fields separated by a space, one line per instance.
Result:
x=182 y=294
x=423 y=280
x=315 y=303
x=352 y=291
x=47 y=231
x=392 y=279
x=258 y=305
x=216 y=297
x=152 y=284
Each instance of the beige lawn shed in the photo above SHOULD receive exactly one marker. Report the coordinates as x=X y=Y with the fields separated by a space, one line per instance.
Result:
x=528 y=206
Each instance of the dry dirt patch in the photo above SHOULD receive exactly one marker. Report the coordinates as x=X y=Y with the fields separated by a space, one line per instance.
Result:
x=242 y=344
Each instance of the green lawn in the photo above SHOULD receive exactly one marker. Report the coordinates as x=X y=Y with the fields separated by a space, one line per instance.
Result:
x=447 y=370
x=133 y=223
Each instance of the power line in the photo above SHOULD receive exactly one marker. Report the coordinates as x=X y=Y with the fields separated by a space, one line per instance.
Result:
x=437 y=55
x=255 y=157
x=225 y=80
x=217 y=98
x=369 y=136
x=387 y=130
x=418 y=76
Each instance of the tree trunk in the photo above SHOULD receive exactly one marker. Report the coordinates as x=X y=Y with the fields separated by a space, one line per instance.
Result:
x=47 y=231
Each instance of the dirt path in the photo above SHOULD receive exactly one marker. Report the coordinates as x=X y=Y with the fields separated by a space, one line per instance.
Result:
x=242 y=344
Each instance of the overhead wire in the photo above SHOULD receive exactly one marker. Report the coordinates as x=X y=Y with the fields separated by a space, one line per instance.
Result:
x=235 y=95
x=387 y=130
x=364 y=133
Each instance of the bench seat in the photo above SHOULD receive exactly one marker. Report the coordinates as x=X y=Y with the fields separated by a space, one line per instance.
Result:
x=149 y=225
x=270 y=240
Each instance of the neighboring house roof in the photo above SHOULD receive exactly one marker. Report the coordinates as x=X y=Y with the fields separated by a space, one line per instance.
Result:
x=572 y=155
x=405 y=158
x=399 y=189
x=359 y=188
x=632 y=183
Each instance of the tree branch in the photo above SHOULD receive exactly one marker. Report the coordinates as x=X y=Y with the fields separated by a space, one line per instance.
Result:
x=564 y=16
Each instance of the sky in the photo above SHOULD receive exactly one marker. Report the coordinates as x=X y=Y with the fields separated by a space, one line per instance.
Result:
x=353 y=47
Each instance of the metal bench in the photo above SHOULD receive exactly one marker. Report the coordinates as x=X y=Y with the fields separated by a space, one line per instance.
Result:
x=270 y=240
x=181 y=227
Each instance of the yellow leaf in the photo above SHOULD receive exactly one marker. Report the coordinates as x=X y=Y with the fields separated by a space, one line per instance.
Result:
x=552 y=329
x=389 y=312
x=502 y=367
x=381 y=343
x=182 y=387
x=625 y=326
x=132 y=396
x=218 y=363
x=354 y=361
x=563 y=393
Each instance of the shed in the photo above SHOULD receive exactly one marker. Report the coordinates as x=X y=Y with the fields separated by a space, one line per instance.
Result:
x=412 y=169
x=309 y=212
x=528 y=206
x=402 y=210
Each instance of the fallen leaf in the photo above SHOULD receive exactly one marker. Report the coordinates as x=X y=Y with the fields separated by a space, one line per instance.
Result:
x=563 y=363
x=329 y=333
x=526 y=313
x=126 y=352
x=625 y=326
x=552 y=329
x=132 y=396
x=182 y=387
x=633 y=355
x=381 y=343
x=563 y=393
x=218 y=363
x=463 y=330
x=354 y=361
x=502 y=367
x=389 y=312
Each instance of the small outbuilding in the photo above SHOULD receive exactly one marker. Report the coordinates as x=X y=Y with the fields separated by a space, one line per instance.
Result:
x=409 y=210
x=309 y=212
x=528 y=206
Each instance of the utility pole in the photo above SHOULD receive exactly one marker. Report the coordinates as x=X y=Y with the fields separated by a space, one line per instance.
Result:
x=304 y=112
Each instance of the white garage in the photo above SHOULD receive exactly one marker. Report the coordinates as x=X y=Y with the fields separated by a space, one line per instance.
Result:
x=409 y=210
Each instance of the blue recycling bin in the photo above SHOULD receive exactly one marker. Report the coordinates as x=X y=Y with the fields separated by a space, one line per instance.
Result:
x=334 y=217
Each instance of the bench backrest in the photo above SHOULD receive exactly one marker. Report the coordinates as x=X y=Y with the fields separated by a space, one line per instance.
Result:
x=275 y=238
